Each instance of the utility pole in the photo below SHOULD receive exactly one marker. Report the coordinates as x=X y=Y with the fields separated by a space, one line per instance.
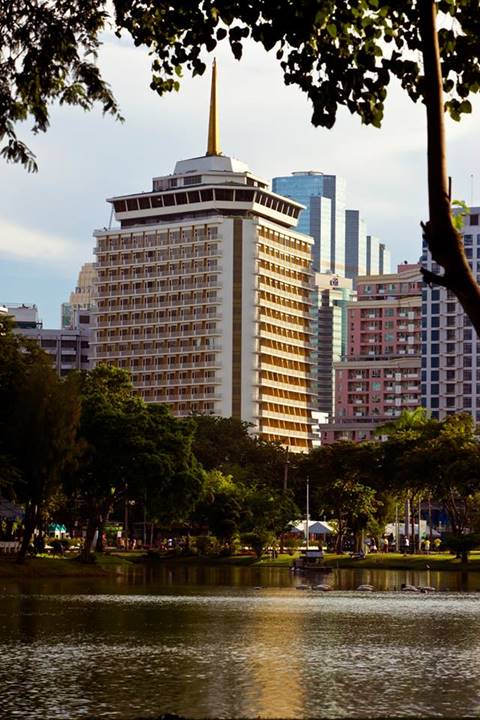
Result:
x=285 y=472
x=307 y=533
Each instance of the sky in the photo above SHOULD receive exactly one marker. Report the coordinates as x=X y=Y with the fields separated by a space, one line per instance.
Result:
x=47 y=218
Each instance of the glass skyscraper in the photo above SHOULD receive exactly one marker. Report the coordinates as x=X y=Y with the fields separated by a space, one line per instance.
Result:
x=324 y=197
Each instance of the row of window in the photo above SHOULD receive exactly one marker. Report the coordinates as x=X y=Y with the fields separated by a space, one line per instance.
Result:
x=217 y=194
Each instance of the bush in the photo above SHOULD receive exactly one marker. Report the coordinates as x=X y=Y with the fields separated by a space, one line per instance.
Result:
x=462 y=545
x=206 y=545
x=258 y=540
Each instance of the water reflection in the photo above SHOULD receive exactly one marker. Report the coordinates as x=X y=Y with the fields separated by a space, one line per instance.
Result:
x=206 y=642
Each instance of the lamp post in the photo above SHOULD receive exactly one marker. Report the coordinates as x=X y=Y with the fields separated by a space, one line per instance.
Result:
x=307 y=533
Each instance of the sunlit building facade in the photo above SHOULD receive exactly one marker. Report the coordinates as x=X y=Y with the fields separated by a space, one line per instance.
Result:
x=205 y=293
x=450 y=348
x=380 y=374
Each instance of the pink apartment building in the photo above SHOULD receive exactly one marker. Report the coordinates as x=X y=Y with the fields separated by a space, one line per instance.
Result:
x=380 y=375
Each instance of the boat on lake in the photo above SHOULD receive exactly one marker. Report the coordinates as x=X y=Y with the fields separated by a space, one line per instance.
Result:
x=310 y=561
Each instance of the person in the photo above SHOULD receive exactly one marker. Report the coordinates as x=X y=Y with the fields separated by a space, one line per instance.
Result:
x=385 y=544
x=407 y=544
x=427 y=546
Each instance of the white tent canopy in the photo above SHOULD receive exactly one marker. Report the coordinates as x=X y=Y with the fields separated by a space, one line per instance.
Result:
x=315 y=527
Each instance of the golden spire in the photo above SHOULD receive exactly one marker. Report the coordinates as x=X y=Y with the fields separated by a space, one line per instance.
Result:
x=213 y=134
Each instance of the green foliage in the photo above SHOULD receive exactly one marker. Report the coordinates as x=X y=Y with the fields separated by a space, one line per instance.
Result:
x=39 y=415
x=48 y=53
x=131 y=448
x=258 y=540
x=205 y=545
x=342 y=481
x=458 y=218
x=462 y=545
x=226 y=444
x=340 y=54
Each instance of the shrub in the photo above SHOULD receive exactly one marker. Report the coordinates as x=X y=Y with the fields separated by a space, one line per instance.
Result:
x=258 y=540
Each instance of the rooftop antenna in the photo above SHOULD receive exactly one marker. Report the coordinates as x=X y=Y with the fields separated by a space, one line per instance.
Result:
x=213 y=132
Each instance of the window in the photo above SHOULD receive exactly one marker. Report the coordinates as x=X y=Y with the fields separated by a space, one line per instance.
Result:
x=474 y=219
x=206 y=195
x=223 y=194
x=192 y=180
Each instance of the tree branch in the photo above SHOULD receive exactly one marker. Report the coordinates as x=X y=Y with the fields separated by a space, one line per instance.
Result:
x=432 y=278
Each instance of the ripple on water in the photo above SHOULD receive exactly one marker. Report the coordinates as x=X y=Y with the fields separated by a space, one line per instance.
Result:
x=267 y=654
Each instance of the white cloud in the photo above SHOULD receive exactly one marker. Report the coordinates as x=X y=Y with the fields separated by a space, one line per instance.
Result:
x=22 y=243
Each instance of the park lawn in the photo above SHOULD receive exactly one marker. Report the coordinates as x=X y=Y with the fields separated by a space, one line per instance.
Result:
x=46 y=566
x=398 y=561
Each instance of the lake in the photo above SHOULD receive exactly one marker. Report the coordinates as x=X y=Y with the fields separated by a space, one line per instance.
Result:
x=239 y=642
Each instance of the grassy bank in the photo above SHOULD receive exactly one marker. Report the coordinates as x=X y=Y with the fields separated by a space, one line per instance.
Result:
x=378 y=561
x=397 y=561
x=45 y=566
x=119 y=563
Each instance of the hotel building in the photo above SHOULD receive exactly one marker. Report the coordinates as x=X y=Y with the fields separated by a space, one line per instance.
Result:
x=380 y=375
x=205 y=294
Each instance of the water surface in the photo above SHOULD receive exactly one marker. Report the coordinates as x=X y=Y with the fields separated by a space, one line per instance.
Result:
x=235 y=643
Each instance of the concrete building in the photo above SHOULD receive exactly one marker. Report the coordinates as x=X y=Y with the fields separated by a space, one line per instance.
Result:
x=334 y=293
x=82 y=298
x=324 y=198
x=205 y=295
x=356 y=249
x=25 y=316
x=450 y=348
x=68 y=348
x=380 y=374
x=384 y=261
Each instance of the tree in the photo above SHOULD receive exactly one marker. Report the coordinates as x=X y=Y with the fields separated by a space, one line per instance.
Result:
x=341 y=480
x=447 y=466
x=220 y=506
x=339 y=52
x=226 y=444
x=130 y=447
x=39 y=414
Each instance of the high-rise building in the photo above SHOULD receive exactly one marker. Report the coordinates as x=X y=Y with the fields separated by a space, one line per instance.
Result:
x=355 y=245
x=384 y=263
x=380 y=374
x=205 y=295
x=324 y=198
x=450 y=348
x=82 y=298
x=341 y=243
x=333 y=293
